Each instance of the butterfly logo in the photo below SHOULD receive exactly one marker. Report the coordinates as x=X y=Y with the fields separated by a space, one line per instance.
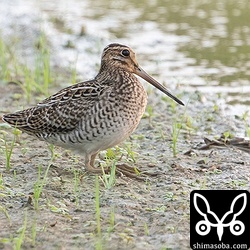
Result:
x=203 y=227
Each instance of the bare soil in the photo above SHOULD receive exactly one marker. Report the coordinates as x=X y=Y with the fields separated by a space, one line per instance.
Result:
x=150 y=214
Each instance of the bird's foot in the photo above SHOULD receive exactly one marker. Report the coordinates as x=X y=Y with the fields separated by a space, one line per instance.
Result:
x=133 y=172
x=123 y=170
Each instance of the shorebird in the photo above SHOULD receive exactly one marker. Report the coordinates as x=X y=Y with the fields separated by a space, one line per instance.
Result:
x=93 y=115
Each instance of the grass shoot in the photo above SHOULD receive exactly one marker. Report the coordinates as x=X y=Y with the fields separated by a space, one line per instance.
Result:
x=38 y=186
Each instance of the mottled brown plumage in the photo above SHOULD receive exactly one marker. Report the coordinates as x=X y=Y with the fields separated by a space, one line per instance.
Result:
x=93 y=115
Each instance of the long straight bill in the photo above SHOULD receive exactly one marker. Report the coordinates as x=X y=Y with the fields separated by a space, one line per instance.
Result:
x=143 y=74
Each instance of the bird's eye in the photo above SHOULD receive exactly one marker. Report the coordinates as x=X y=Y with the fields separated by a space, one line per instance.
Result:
x=125 y=52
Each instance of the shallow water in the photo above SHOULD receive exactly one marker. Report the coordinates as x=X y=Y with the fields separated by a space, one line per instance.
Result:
x=189 y=45
x=197 y=45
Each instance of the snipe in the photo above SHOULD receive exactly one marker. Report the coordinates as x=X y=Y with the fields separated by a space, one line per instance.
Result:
x=93 y=115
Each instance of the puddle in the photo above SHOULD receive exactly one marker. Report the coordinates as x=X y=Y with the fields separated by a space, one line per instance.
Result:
x=189 y=45
x=200 y=46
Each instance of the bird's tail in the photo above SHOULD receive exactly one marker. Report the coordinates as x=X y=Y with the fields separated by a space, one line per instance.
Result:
x=18 y=119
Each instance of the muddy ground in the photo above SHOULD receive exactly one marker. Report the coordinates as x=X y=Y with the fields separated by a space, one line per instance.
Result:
x=151 y=214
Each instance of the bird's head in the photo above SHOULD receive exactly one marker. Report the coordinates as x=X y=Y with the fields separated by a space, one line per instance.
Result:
x=122 y=57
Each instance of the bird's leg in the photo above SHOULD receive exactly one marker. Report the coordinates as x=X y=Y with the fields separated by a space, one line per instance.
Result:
x=122 y=169
x=92 y=160
x=90 y=164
